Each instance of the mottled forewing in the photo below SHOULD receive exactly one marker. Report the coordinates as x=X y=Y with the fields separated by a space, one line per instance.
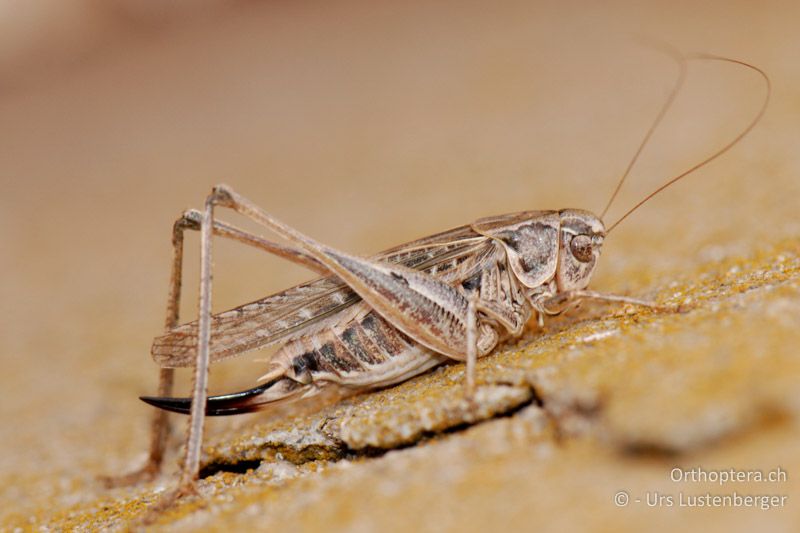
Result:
x=311 y=306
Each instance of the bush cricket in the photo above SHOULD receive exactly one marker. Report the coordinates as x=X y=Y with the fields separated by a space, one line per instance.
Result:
x=377 y=321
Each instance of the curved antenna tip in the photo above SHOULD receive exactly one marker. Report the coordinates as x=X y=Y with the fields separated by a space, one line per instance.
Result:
x=731 y=144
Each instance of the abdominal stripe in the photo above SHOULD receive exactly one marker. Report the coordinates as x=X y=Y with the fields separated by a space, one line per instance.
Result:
x=362 y=344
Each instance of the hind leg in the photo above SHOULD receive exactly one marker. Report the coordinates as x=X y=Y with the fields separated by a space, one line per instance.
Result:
x=159 y=425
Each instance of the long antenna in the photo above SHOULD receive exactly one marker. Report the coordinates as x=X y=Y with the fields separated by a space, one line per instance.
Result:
x=722 y=150
x=681 y=60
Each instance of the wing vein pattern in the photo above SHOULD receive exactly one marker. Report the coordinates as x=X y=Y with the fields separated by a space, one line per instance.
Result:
x=311 y=306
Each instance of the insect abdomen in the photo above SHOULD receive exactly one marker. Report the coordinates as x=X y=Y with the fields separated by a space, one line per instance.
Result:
x=366 y=351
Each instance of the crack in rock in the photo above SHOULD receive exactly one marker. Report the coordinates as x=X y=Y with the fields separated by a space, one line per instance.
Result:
x=367 y=429
x=393 y=426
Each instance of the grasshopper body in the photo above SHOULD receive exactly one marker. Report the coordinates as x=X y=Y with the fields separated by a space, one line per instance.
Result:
x=373 y=322
x=510 y=265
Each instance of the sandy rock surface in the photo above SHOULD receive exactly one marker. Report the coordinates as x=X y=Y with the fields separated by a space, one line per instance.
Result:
x=368 y=126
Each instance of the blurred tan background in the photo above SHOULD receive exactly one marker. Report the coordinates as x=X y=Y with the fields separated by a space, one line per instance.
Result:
x=362 y=124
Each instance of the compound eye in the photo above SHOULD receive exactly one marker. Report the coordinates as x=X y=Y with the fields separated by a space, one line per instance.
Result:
x=581 y=248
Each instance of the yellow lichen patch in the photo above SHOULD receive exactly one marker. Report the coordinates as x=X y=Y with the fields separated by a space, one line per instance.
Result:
x=392 y=424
